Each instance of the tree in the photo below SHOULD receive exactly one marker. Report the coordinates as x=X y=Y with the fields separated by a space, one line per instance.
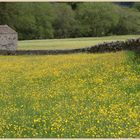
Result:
x=44 y=19
x=126 y=24
x=95 y=18
x=137 y=5
x=64 y=21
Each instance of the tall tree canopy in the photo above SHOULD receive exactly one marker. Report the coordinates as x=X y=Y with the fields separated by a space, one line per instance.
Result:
x=64 y=20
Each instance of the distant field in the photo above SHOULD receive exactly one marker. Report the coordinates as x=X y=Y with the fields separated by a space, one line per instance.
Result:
x=69 y=43
x=78 y=95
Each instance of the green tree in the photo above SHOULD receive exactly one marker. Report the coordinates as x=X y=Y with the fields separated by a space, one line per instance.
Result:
x=137 y=5
x=96 y=19
x=129 y=21
x=44 y=19
x=64 y=21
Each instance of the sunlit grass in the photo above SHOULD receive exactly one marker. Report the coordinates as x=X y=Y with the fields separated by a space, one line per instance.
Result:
x=79 y=95
x=70 y=43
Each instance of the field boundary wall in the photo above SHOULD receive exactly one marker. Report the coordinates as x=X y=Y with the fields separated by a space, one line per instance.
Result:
x=131 y=44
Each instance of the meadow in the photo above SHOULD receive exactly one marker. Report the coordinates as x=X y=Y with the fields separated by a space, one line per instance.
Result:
x=70 y=43
x=77 y=95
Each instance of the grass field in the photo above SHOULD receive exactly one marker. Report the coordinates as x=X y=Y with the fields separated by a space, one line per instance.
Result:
x=69 y=43
x=78 y=95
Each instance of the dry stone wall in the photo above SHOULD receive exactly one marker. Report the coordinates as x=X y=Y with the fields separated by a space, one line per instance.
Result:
x=131 y=44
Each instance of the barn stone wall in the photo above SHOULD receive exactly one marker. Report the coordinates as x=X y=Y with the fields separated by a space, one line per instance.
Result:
x=8 y=41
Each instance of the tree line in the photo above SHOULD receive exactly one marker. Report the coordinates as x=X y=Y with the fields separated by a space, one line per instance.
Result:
x=34 y=20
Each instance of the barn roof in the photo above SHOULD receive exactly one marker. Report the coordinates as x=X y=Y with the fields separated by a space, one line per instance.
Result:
x=5 y=29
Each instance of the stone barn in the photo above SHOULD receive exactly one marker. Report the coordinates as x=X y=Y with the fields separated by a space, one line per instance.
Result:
x=8 y=38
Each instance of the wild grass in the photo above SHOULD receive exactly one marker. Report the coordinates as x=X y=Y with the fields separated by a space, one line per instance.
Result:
x=78 y=95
